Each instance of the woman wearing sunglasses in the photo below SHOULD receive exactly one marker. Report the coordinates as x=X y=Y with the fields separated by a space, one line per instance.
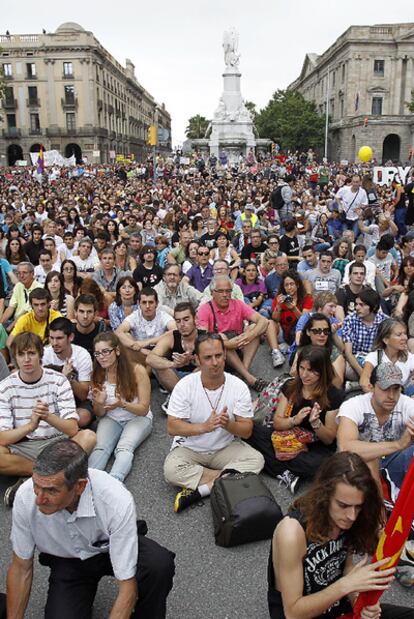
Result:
x=318 y=332
x=121 y=400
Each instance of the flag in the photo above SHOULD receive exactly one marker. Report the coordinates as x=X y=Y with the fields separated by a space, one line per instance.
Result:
x=392 y=540
x=41 y=161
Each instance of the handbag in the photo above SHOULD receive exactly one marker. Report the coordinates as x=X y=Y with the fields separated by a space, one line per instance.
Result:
x=290 y=443
x=244 y=510
x=343 y=214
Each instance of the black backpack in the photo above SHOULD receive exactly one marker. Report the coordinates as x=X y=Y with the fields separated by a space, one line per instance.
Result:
x=276 y=199
x=244 y=509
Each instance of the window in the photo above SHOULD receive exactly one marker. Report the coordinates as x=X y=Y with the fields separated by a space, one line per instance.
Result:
x=70 y=95
x=333 y=78
x=67 y=69
x=34 y=123
x=342 y=107
x=376 y=106
x=9 y=95
x=30 y=70
x=7 y=70
x=70 y=121
x=343 y=73
x=11 y=121
x=32 y=90
x=379 y=68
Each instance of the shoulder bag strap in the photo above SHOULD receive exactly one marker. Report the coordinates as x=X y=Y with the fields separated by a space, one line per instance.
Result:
x=214 y=317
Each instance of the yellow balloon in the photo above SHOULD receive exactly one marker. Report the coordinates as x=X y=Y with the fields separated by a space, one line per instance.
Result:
x=365 y=153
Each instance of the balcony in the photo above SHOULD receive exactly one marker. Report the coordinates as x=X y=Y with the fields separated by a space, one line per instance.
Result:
x=10 y=104
x=69 y=104
x=12 y=132
x=101 y=132
x=110 y=109
x=112 y=135
x=33 y=102
x=53 y=132
x=37 y=131
x=68 y=76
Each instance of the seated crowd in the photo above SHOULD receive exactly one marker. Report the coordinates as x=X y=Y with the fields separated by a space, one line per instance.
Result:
x=107 y=300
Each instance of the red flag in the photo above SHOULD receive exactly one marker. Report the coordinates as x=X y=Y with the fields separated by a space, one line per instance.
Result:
x=392 y=540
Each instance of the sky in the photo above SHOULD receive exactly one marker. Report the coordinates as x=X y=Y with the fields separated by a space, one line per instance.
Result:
x=177 y=46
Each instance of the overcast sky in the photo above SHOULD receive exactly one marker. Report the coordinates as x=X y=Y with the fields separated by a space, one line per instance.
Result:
x=176 y=46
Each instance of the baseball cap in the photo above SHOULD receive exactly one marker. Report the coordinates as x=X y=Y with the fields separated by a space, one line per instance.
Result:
x=388 y=375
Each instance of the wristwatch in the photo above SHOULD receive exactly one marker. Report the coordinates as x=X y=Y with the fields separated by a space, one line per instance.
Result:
x=316 y=425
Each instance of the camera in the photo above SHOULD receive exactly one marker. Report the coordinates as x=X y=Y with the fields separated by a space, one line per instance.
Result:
x=288 y=298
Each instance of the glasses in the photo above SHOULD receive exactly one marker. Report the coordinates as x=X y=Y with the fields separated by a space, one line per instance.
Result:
x=103 y=353
x=320 y=331
x=223 y=290
x=203 y=253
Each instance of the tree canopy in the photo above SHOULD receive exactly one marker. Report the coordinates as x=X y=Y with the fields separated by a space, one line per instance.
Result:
x=291 y=121
x=197 y=127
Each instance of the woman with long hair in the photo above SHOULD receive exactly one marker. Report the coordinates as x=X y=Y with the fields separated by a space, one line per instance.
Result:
x=121 y=396
x=71 y=279
x=308 y=403
x=126 y=301
x=390 y=346
x=321 y=236
x=112 y=228
x=190 y=256
x=311 y=572
x=318 y=332
x=122 y=260
x=289 y=304
x=252 y=287
x=15 y=253
x=62 y=301
x=396 y=293
x=342 y=253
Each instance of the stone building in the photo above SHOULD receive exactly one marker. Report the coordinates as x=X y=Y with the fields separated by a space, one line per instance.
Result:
x=64 y=90
x=367 y=77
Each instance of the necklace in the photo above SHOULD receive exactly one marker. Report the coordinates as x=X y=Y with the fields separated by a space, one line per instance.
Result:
x=214 y=406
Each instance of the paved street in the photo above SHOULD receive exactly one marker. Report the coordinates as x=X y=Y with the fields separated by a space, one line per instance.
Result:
x=210 y=582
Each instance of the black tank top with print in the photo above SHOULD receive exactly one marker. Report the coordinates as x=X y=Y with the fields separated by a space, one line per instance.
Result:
x=323 y=565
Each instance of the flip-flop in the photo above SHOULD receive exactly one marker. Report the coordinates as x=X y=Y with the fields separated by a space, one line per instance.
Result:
x=260 y=384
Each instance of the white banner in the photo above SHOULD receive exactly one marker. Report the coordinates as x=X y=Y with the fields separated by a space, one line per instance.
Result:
x=53 y=157
x=384 y=175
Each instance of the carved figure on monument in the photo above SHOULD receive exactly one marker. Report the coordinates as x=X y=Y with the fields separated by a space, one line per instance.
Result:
x=220 y=113
x=230 y=45
x=244 y=113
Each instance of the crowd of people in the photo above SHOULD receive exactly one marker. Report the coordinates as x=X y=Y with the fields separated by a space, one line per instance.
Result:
x=115 y=282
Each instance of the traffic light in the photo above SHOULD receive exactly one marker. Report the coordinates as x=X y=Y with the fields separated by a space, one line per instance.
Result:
x=366 y=121
x=152 y=135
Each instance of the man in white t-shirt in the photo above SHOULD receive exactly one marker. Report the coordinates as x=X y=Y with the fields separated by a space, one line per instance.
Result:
x=74 y=362
x=351 y=199
x=141 y=330
x=208 y=413
x=86 y=262
x=379 y=426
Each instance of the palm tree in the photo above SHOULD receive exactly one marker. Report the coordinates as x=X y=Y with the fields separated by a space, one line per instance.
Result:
x=197 y=127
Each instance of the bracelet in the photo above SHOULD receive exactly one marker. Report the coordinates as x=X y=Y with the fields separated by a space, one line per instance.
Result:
x=316 y=425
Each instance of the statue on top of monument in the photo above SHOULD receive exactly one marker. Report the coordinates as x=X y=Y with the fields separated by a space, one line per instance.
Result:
x=230 y=45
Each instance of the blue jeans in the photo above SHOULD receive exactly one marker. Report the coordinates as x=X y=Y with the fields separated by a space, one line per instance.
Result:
x=266 y=308
x=397 y=464
x=123 y=437
x=352 y=224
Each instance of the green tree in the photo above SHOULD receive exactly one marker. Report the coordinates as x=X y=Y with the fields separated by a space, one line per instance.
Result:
x=291 y=121
x=197 y=127
x=252 y=109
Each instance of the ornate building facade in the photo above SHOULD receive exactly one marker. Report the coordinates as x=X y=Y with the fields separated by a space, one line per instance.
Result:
x=366 y=77
x=64 y=90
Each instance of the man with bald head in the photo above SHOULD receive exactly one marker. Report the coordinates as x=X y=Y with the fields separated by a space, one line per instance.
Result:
x=226 y=316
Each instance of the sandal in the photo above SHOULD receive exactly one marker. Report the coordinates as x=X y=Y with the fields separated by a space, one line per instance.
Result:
x=260 y=384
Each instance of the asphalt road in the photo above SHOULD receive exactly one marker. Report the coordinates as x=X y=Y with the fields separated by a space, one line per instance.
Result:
x=210 y=582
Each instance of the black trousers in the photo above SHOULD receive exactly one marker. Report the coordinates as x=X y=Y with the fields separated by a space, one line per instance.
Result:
x=73 y=582
x=304 y=465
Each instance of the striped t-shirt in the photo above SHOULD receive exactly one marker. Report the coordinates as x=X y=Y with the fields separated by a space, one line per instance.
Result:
x=18 y=398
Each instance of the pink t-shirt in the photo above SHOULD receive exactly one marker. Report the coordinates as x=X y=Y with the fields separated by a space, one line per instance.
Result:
x=230 y=319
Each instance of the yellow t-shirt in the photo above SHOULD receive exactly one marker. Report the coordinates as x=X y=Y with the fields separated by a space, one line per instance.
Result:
x=28 y=322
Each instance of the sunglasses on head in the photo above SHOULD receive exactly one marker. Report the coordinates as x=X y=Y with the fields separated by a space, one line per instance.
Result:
x=320 y=331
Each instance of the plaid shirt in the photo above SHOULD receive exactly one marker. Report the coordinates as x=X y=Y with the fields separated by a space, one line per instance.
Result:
x=357 y=332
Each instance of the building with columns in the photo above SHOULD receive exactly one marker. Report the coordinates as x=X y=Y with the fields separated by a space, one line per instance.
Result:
x=366 y=77
x=64 y=90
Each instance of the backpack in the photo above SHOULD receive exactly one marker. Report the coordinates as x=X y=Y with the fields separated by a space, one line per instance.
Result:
x=266 y=403
x=276 y=198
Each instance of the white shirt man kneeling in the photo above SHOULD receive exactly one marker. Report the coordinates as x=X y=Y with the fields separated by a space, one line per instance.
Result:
x=208 y=414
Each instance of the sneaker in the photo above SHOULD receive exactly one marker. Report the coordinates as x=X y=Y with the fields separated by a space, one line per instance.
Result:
x=277 y=358
x=284 y=348
x=351 y=385
x=10 y=493
x=289 y=480
x=185 y=498
x=162 y=389
x=164 y=405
